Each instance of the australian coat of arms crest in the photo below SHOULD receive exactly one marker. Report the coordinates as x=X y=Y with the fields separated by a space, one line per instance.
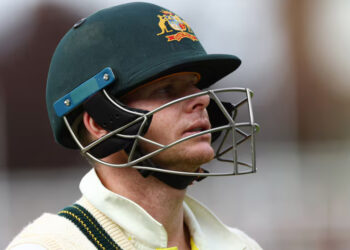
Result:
x=174 y=28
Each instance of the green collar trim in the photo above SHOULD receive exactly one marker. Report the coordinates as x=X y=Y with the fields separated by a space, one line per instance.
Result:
x=89 y=226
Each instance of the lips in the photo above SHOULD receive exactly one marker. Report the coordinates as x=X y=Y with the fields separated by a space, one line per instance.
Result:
x=197 y=127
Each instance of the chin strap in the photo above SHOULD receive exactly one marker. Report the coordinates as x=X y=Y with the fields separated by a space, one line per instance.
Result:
x=173 y=180
x=176 y=181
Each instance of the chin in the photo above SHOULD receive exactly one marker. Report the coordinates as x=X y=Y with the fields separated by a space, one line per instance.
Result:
x=199 y=155
x=199 y=149
x=195 y=154
x=187 y=156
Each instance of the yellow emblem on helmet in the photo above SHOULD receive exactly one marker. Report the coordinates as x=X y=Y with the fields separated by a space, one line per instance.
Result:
x=175 y=24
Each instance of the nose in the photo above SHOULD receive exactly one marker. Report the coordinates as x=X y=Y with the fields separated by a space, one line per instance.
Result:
x=197 y=103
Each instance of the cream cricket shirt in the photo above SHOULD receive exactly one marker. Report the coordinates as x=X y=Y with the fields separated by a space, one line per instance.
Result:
x=129 y=225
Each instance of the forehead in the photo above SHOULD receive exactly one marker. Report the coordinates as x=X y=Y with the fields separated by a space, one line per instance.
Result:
x=176 y=78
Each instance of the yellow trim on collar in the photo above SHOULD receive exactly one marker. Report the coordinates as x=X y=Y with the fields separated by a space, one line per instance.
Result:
x=193 y=246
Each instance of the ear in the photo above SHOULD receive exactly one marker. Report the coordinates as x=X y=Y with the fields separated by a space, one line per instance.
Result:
x=94 y=129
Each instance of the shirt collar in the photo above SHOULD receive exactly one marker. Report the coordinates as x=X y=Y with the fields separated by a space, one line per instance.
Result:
x=128 y=215
x=124 y=212
x=221 y=236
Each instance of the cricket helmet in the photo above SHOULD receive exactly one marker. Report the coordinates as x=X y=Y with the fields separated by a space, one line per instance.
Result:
x=114 y=51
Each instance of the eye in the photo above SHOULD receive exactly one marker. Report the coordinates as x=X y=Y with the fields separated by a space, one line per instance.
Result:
x=173 y=88
x=165 y=91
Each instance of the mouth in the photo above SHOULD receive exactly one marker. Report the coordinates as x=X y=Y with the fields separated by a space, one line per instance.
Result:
x=196 y=128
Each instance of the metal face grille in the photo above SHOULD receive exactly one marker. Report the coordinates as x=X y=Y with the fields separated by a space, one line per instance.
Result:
x=237 y=133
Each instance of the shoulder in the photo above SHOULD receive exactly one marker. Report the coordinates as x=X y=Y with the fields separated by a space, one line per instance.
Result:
x=50 y=231
x=215 y=232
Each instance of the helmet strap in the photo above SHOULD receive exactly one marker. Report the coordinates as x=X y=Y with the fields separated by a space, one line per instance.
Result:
x=179 y=182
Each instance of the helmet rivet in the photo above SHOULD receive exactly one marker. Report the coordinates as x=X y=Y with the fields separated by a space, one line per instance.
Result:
x=67 y=102
x=106 y=77
x=80 y=22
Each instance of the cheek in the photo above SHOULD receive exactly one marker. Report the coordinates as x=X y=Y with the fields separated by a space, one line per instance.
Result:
x=165 y=126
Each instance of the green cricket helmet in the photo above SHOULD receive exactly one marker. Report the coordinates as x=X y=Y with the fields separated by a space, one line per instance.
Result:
x=114 y=51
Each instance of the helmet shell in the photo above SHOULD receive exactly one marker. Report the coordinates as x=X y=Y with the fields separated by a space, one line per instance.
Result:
x=128 y=38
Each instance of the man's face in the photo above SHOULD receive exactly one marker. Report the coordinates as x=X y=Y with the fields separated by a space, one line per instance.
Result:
x=176 y=121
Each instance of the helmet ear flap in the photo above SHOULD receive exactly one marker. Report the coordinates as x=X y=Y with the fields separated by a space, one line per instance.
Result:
x=217 y=117
x=113 y=116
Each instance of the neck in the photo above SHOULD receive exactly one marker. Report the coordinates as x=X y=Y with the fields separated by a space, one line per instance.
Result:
x=162 y=202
